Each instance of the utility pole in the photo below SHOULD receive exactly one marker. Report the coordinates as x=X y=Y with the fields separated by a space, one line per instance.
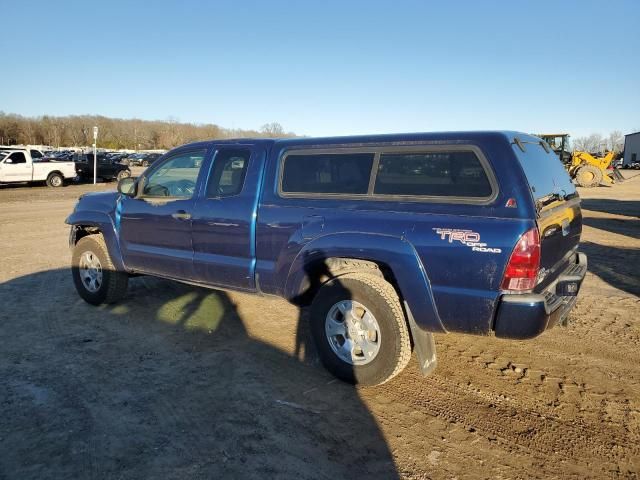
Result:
x=95 y=155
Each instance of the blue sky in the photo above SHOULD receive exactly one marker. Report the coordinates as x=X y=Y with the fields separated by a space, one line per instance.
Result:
x=329 y=67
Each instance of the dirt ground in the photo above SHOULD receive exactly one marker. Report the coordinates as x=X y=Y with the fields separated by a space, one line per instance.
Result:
x=182 y=382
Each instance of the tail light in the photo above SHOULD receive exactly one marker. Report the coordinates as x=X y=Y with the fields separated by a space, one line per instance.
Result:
x=523 y=266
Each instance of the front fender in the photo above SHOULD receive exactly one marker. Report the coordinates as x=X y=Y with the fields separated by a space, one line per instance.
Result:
x=394 y=252
x=105 y=224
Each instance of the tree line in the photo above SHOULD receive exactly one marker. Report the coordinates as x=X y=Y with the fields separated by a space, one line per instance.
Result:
x=597 y=143
x=135 y=134
x=117 y=133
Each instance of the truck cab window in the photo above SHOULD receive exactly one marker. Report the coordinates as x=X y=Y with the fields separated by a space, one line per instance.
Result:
x=228 y=172
x=176 y=177
x=18 y=157
x=442 y=174
x=333 y=173
x=35 y=154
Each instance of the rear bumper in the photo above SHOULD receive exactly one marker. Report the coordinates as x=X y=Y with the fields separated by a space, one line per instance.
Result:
x=528 y=315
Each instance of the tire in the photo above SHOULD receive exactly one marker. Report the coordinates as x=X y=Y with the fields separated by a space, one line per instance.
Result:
x=123 y=174
x=367 y=295
x=145 y=163
x=323 y=271
x=588 y=176
x=55 y=180
x=111 y=286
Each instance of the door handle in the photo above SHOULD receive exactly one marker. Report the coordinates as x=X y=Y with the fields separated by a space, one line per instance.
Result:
x=181 y=215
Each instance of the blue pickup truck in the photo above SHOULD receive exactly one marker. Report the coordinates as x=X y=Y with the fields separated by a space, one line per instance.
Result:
x=388 y=238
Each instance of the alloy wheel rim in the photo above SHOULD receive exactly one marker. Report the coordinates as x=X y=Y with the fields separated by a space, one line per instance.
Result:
x=90 y=271
x=353 y=332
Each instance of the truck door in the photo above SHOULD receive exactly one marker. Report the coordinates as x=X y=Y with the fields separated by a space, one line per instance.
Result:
x=106 y=168
x=16 y=168
x=155 y=226
x=224 y=217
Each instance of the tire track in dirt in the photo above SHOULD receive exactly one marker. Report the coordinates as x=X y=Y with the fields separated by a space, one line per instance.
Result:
x=515 y=425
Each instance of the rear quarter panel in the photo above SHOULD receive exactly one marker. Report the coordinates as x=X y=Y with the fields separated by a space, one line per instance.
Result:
x=465 y=279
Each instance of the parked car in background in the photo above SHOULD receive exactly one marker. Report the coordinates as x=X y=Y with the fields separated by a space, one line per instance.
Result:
x=117 y=156
x=150 y=159
x=29 y=165
x=390 y=238
x=62 y=156
x=130 y=159
x=144 y=159
x=108 y=169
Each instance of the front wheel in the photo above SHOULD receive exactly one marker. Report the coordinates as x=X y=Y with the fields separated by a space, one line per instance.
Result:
x=589 y=176
x=359 y=329
x=94 y=275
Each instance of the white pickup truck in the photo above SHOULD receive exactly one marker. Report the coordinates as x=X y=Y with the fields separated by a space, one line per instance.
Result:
x=18 y=164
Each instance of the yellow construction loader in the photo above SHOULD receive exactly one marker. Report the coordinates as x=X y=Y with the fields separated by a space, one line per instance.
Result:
x=587 y=170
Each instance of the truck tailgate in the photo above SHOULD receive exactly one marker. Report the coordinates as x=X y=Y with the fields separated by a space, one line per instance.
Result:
x=557 y=205
x=560 y=227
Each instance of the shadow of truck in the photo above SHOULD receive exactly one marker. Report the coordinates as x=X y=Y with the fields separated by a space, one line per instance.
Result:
x=167 y=384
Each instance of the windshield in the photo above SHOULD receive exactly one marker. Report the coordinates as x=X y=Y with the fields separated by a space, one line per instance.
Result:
x=544 y=171
x=555 y=142
x=3 y=154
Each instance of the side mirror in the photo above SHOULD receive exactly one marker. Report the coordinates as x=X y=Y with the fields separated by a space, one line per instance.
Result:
x=8 y=160
x=127 y=186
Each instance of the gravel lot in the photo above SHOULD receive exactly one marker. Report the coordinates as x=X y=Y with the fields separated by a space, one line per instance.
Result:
x=182 y=382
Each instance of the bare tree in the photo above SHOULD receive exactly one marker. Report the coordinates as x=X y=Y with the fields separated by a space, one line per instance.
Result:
x=592 y=144
x=273 y=129
x=28 y=130
x=615 y=142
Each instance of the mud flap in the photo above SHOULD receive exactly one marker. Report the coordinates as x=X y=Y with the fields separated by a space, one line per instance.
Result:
x=617 y=176
x=424 y=345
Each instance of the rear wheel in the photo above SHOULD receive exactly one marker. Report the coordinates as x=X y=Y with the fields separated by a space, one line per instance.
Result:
x=55 y=180
x=94 y=275
x=589 y=176
x=359 y=329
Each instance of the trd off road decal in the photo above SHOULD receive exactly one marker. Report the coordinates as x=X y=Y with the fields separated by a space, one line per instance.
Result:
x=466 y=237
